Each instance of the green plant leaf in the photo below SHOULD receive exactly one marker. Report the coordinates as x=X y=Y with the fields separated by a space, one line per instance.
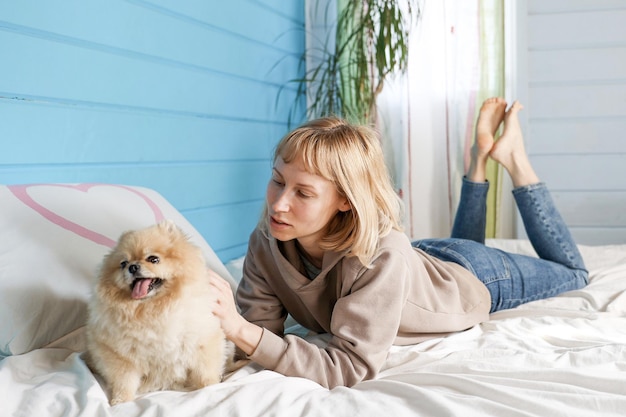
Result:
x=370 y=42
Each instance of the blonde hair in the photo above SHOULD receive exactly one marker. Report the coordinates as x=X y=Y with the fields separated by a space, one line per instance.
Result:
x=351 y=157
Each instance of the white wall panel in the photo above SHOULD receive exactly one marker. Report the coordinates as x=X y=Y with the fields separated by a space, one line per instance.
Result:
x=573 y=63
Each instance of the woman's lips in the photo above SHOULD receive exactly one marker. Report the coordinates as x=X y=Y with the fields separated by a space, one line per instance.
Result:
x=277 y=223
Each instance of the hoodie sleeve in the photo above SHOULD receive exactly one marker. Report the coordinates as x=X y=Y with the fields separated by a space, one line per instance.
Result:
x=258 y=302
x=364 y=325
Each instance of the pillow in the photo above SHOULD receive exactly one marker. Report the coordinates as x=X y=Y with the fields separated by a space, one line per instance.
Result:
x=53 y=238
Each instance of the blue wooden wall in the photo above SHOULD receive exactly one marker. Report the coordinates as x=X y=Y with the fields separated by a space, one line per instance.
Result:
x=181 y=96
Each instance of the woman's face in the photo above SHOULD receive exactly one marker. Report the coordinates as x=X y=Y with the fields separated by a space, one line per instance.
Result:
x=301 y=204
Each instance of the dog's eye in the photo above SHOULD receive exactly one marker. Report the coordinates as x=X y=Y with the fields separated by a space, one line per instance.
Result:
x=153 y=259
x=123 y=264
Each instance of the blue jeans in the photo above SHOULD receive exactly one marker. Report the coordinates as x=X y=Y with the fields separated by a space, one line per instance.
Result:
x=513 y=279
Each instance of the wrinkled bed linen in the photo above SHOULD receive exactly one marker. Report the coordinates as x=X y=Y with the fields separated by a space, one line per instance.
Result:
x=564 y=356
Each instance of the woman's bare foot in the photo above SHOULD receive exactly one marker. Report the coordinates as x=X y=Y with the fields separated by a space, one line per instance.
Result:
x=489 y=118
x=509 y=150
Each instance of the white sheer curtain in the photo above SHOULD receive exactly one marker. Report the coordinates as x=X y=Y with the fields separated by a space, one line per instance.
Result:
x=427 y=115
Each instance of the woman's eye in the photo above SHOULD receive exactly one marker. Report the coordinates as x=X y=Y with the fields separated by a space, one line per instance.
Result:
x=277 y=182
x=123 y=264
x=153 y=259
x=304 y=195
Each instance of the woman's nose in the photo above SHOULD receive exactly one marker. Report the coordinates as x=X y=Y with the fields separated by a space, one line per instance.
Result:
x=281 y=203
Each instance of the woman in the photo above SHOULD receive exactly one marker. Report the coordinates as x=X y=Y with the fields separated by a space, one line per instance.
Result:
x=329 y=251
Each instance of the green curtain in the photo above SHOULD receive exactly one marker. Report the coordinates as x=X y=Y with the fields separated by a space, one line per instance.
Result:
x=491 y=15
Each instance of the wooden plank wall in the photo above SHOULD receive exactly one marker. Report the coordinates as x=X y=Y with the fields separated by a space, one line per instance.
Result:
x=179 y=96
x=577 y=111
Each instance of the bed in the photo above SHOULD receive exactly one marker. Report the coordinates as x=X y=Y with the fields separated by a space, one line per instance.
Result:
x=564 y=356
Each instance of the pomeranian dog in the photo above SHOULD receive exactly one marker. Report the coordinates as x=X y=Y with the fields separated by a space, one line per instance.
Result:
x=150 y=324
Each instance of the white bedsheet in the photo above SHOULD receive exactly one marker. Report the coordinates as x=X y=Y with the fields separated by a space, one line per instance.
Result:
x=564 y=356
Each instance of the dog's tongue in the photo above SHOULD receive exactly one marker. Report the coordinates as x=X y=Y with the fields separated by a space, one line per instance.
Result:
x=141 y=288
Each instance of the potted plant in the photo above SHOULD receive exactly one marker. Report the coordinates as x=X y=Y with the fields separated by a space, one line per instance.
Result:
x=368 y=42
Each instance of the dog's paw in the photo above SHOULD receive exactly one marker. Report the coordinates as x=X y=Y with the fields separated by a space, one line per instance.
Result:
x=119 y=396
x=116 y=401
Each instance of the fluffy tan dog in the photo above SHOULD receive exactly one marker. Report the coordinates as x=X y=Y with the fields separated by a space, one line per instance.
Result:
x=150 y=323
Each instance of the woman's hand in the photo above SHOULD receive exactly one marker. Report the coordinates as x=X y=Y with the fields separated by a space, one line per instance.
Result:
x=236 y=328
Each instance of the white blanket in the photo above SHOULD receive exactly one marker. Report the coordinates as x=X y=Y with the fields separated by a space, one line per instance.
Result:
x=564 y=356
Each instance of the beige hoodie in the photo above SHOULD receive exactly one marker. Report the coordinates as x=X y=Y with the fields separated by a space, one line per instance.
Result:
x=405 y=298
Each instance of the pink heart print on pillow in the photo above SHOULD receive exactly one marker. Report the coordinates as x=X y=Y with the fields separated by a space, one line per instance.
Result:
x=55 y=209
x=53 y=237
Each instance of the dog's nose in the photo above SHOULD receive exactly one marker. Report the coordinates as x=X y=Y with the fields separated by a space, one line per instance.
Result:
x=133 y=268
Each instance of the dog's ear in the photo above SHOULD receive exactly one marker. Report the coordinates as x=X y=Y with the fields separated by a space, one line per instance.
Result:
x=170 y=227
